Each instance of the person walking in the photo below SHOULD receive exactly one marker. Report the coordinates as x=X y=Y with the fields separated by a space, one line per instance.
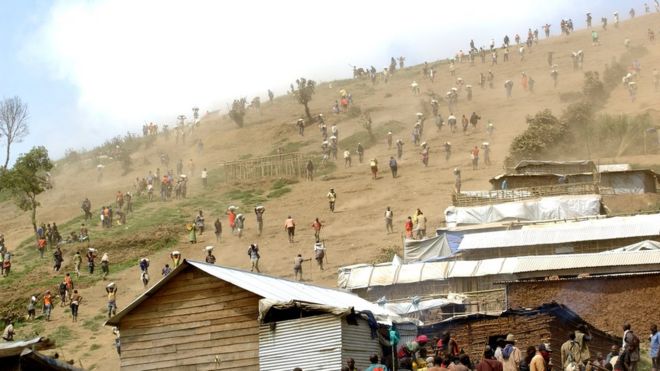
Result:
x=394 y=166
x=32 y=308
x=259 y=213
x=192 y=232
x=205 y=178
x=297 y=267
x=319 y=253
x=76 y=299
x=360 y=152
x=57 y=259
x=316 y=226
x=218 y=229
x=111 y=290
x=77 y=261
x=399 y=149
x=199 y=222
x=474 y=154
x=374 y=168
x=511 y=355
x=253 y=253
x=48 y=304
x=91 y=255
x=105 y=265
x=290 y=228
x=210 y=258
x=332 y=198
x=630 y=348
x=389 y=217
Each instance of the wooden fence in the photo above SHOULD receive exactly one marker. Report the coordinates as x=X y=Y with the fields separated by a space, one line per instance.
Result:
x=479 y=198
x=283 y=165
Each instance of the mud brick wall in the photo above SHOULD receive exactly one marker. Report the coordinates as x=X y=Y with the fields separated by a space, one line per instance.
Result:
x=606 y=303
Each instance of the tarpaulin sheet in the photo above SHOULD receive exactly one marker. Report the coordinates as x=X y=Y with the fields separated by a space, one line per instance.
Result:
x=420 y=250
x=546 y=208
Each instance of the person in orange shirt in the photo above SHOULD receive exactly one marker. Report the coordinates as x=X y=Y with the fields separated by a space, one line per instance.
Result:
x=231 y=215
x=409 y=227
x=48 y=304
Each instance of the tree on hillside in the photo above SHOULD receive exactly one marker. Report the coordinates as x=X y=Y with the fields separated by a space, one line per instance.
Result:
x=304 y=93
x=28 y=179
x=593 y=88
x=238 y=110
x=579 y=117
x=544 y=133
x=13 y=123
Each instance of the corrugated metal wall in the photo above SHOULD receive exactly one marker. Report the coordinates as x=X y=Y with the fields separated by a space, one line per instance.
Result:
x=357 y=343
x=312 y=343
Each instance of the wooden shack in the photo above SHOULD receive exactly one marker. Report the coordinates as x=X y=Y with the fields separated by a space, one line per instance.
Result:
x=554 y=167
x=208 y=317
x=549 y=323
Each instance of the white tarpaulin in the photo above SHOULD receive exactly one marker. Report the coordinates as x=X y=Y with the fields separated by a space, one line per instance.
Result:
x=420 y=250
x=546 y=208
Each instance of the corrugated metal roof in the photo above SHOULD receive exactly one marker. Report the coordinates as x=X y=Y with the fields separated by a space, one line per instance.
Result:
x=644 y=261
x=582 y=278
x=614 y=167
x=267 y=287
x=565 y=232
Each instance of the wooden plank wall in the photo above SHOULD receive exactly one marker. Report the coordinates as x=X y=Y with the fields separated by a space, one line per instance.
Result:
x=189 y=322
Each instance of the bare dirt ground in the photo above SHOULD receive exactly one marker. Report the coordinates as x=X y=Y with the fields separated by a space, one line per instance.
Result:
x=355 y=232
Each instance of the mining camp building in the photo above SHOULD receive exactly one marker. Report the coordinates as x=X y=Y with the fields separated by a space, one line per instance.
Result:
x=209 y=317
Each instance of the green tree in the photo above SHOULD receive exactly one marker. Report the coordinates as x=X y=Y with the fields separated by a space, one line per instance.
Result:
x=544 y=133
x=593 y=88
x=28 y=179
x=580 y=120
x=304 y=93
x=238 y=111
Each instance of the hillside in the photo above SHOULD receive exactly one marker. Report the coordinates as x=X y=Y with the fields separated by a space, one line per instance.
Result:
x=355 y=232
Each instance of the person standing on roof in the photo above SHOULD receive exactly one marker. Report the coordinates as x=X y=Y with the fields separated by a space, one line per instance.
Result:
x=409 y=227
x=290 y=228
x=332 y=198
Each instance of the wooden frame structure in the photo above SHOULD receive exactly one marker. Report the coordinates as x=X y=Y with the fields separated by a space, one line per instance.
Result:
x=282 y=165
x=479 y=198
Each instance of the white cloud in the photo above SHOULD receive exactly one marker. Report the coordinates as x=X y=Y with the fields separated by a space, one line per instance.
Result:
x=133 y=61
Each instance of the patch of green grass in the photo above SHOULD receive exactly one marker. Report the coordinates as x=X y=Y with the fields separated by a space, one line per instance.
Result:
x=94 y=324
x=283 y=182
x=386 y=254
x=289 y=147
x=379 y=135
x=247 y=197
x=94 y=347
x=60 y=335
x=278 y=192
x=246 y=156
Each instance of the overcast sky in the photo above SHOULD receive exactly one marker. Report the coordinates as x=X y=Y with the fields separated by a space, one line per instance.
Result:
x=90 y=70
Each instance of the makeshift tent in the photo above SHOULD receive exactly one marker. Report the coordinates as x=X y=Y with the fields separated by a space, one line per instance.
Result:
x=546 y=208
x=420 y=250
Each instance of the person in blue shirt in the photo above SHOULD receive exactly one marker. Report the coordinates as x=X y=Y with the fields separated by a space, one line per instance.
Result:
x=655 y=348
x=375 y=366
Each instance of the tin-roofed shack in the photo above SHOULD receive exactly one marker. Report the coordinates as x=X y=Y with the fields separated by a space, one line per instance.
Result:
x=554 y=167
x=204 y=316
x=599 y=299
x=548 y=323
x=636 y=181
